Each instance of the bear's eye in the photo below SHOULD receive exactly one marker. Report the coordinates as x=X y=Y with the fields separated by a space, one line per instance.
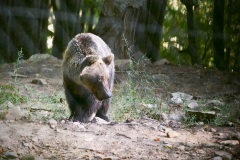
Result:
x=100 y=78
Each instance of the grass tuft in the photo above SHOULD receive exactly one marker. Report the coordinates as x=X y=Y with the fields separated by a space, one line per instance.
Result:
x=9 y=93
x=132 y=97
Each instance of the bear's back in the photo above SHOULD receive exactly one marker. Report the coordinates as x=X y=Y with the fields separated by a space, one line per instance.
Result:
x=86 y=41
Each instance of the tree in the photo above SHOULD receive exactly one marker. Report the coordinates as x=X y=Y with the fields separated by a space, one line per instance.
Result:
x=23 y=25
x=139 y=22
x=218 y=36
x=192 y=49
x=67 y=24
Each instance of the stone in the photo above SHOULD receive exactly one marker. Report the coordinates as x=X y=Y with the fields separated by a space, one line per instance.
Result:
x=176 y=100
x=217 y=158
x=42 y=58
x=14 y=113
x=183 y=96
x=172 y=134
x=11 y=155
x=224 y=155
x=39 y=81
x=177 y=116
x=163 y=61
x=193 y=105
x=230 y=142
x=123 y=64
x=164 y=116
x=213 y=130
x=181 y=148
x=52 y=123
x=100 y=121
x=78 y=127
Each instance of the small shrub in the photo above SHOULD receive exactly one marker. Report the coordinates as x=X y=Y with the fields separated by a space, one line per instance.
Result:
x=16 y=65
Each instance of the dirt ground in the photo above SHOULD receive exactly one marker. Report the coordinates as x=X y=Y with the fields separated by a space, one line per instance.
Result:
x=144 y=138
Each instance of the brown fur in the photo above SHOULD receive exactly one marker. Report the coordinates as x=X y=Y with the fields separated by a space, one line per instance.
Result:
x=88 y=73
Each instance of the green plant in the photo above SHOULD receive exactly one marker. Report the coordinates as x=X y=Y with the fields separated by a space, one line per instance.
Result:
x=16 y=65
x=139 y=89
x=227 y=113
x=9 y=93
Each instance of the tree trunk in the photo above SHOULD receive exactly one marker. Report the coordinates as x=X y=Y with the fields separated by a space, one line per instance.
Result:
x=21 y=28
x=228 y=30
x=218 y=37
x=132 y=25
x=192 y=33
x=67 y=24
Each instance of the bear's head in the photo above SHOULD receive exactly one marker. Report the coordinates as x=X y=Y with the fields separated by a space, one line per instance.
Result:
x=96 y=74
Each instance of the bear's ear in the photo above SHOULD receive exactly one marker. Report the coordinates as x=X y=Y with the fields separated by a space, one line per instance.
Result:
x=92 y=59
x=108 y=59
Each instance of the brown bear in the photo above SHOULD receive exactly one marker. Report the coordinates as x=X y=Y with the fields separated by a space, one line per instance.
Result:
x=88 y=74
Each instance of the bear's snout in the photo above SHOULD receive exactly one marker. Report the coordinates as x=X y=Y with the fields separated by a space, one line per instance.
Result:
x=105 y=94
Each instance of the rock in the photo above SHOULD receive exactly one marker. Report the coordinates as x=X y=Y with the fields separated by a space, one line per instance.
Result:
x=163 y=61
x=172 y=134
x=42 y=58
x=123 y=64
x=177 y=116
x=224 y=155
x=164 y=116
x=14 y=113
x=39 y=81
x=213 y=130
x=63 y=121
x=9 y=104
x=230 y=142
x=52 y=123
x=217 y=158
x=100 y=121
x=193 y=105
x=176 y=100
x=181 y=148
x=42 y=113
x=183 y=96
x=78 y=127
x=11 y=155
x=215 y=103
x=201 y=115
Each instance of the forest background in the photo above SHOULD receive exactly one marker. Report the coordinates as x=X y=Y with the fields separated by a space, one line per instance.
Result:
x=185 y=32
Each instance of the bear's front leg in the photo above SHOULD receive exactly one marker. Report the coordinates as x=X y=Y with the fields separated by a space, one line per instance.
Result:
x=82 y=115
x=102 y=112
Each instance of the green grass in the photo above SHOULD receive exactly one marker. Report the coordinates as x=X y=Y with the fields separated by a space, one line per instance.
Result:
x=9 y=93
x=132 y=97
x=224 y=113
